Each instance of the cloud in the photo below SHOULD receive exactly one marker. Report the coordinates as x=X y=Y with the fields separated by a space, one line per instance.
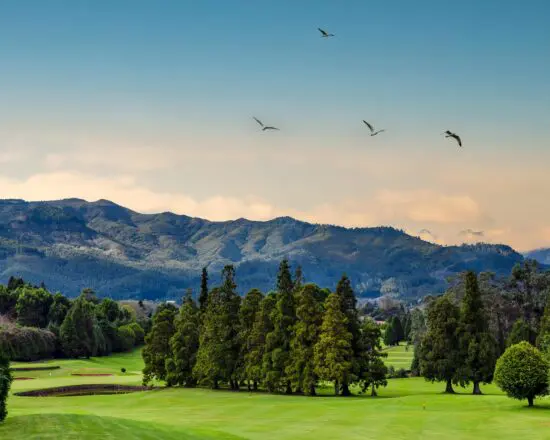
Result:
x=472 y=233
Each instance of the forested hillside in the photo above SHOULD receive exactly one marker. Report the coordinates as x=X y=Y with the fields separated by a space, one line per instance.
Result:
x=73 y=244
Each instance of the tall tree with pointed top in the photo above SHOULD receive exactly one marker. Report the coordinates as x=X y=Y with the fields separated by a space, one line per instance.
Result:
x=309 y=314
x=184 y=344
x=5 y=384
x=203 y=297
x=333 y=354
x=543 y=338
x=250 y=307
x=298 y=278
x=373 y=371
x=477 y=345
x=157 y=345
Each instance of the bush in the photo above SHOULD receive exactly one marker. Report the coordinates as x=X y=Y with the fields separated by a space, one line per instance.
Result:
x=126 y=338
x=522 y=372
x=123 y=370
x=138 y=332
x=397 y=374
x=26 y=343
x=5 y=383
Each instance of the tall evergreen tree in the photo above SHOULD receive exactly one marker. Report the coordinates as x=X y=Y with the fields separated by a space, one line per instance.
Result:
x=309 y=314
x=5 y=384
x=203 y=297
x=256 y=343
x=543 y=337
x=521 y=331
x=277 y=355
x=157 y=345
x=33 y=306
x=440 y=358
x=250 y=307
x=80 y=333
x=298 y=278
x=398 y=332
x=478 y=347
x=373 y=371
x=184 y=345
x=333 y=354
x=348 y=303
x=389 y=333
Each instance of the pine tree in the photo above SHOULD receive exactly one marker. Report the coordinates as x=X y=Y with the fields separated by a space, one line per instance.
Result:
x=389 y=333
x=203 y=297
x=250 y=307
x=298 y=278
x=478 y=347
x=301 y=369
x=398 y=332
x=277 y=355
x=5 y=384
x=373 y=371
x=440 y=358
x=256 y=343
x=333 y=354
x=80 y=333
x=543 y=338
x=349 y=308
x=184 y=345
x=157 y=345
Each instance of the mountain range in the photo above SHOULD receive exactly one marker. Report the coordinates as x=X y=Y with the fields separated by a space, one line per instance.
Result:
x=72 y=244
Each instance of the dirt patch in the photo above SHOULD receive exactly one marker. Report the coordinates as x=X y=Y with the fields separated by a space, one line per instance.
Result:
x=83 y=390
x=54 y=367
x=91 y=374
x=24 y=378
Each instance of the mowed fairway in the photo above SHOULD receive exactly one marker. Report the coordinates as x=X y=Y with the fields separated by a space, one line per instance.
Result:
x=406 y=409
x=399 y=356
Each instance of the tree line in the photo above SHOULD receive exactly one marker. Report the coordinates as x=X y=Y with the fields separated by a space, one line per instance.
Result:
x=37 y=324
x=286 y=341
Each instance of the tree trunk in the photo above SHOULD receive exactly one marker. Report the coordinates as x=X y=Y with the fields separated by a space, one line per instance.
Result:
x=336 y=388
x=345 y=389
x=299 y=391
x=449 y=388
x=215 y=385
x=477 y=389
x=255 y=386
x=248 y=385
x=312 y=390
x=373 y=391
x=530 y=400
x=288 y=388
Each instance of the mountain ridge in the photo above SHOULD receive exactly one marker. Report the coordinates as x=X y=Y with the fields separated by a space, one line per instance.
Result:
x=72 y=243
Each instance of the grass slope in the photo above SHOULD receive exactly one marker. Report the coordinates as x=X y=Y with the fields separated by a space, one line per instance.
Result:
x=399 y=356
x=407 y=408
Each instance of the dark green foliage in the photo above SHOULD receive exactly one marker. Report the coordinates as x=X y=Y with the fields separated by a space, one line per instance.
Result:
x=157 y=345
x=477 y=345
x=110 y=310
x=393 y=331
x=26 y=343
x=139 y=333
x=90 y=295
x=8 y=300
x=80 y=333
x=33 y=306
x=123 y=370
x=333 y=352
x=250 y=307
x=15 y=283
x=543 y=338
x=440 y=357
x=309 y=314
x=184 y=345
x=521 y=331
x=58 y=310
x=126 y=338
x=203 y=297
x=522 y=372
x=5 y=384
x=372 y=370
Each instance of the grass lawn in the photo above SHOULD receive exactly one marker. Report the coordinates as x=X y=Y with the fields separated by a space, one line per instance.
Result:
x=406 y=409
x=399 y=356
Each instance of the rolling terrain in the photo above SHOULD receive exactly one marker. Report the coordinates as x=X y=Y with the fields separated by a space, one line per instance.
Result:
x=73 y=244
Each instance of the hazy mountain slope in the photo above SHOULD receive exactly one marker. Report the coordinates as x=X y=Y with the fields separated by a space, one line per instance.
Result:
x=541 y=255
x=71 y=244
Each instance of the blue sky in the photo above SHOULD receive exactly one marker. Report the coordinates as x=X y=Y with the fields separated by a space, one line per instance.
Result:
x=160 y=95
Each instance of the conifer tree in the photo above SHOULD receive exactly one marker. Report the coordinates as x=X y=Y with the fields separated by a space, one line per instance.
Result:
x=398 y=332
x=203 y=296
x=250 y=307
x=333 y=354
x=80 y=333
x=301 y=369
x=157 y=345
x=373 y=371
x=543 y=337
x=440 y=358
x=256 y=343
x=298 y=278
x=5 y=384
x=389 y=333
x=477 y=345
x=521 y=331
x=184 y=344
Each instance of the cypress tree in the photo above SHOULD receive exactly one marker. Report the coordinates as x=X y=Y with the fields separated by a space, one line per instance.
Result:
x=478 y=347
x=203 y=297
x=440 y=357
x=389 y=333
x=301 y=369
x=348 y=303
x=5 y=384
x=398 y=332
x=157 y=345
x=373 y=371
x=247 y=316
x=184 y=345
x=333 y=354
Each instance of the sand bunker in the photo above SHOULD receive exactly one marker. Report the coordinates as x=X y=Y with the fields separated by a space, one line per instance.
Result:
x=91 y=374
x=24 y=378
x=83 y=390
x=44 y=368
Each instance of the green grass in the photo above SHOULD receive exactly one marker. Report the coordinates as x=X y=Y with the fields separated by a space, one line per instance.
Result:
x=399 y=356
x=406 y=409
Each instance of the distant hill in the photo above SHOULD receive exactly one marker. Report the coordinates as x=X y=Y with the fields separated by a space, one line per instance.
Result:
x=541 y=255
x=72 y=244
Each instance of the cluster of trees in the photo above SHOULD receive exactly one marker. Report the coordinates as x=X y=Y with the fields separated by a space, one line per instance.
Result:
x=287 y=341
x=39 y=324
x=460 y=341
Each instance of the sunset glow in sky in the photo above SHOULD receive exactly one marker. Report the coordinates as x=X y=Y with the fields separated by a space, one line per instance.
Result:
x=150 y=105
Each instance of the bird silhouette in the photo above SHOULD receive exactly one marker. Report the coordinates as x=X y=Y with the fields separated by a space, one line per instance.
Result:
x=325 y=34
x=371 y=128
x=264 y=127
x=454 y=136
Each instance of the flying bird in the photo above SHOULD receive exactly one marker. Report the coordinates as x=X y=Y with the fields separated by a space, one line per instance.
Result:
x=371 y=128
x=454 y=136
x=264 y=127
x=325 y=34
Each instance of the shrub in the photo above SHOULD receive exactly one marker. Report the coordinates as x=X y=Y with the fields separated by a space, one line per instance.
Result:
x=123 y=370
x=522 y=372
x=125 y=338
x=26 y=343
x=5 y=383
x=138 y=332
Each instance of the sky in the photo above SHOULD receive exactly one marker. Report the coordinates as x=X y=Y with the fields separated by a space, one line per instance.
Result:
x=150 y=104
